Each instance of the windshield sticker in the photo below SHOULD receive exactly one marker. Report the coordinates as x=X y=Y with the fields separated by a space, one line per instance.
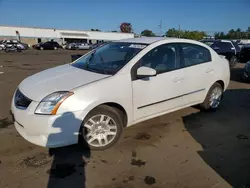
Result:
x=137 y=46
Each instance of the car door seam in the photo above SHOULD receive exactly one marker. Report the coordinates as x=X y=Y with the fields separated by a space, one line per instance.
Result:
x=158 y=102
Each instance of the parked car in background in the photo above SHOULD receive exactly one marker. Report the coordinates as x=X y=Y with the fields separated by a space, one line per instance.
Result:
x=79 y=46
x=229 y=49
x=94 y=46
x=245 y=53
x=71 y=46
x=208 y=42
x=2 y=45
x=20 y=45
x=13 y=48
x=23 y=46
x=246 y=73
x=11 y=43
x=115 y=86
x=36 y=46
x=84 y=46
x=50 y=45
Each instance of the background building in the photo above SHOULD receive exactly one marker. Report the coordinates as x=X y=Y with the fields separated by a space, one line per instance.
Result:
x=32 y=35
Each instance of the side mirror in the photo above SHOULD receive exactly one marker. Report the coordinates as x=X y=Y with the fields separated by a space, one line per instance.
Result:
x=143 y=72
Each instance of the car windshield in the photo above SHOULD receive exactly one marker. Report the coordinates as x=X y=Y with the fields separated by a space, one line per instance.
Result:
x=110 y=58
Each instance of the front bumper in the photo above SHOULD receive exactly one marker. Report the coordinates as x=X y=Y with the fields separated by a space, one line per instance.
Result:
x=47 y=130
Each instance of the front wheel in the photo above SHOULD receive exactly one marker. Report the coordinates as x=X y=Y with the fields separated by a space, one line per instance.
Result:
x=101 y=128
x=213 y=98
x=55 y=48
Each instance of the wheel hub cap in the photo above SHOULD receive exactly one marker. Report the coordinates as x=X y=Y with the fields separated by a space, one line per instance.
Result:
x=215 y=97
x=100 y=130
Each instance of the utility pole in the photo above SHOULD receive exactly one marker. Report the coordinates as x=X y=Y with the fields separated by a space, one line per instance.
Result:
x=160 y=26
x=179 y=30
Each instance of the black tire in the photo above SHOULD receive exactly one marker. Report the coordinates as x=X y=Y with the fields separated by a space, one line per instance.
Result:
x=105 y=110
x=206 y=104
x=233 y=61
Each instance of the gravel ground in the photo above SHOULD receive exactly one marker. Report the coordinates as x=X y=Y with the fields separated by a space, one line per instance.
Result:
x=187 y=148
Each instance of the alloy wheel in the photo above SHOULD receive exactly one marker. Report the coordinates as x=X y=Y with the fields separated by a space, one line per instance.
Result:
x=215 y=97
x=100 y=130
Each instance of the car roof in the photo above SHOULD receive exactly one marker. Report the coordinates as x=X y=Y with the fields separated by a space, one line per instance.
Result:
x=150 y=40
x=143 y=40
x=223 y=40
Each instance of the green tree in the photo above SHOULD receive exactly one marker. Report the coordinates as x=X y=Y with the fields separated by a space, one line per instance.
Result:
x=172 y=33
x=195 y=35
x=217 y=35
x=233 y=34
x=248 y=33
x=238 y=33
x=147 y=33
x=222 y=35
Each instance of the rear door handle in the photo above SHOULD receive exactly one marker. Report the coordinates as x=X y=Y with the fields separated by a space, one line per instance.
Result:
x=209 y=70
x=178 y=79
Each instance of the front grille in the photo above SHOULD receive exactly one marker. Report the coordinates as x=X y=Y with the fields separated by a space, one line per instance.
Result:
x=21 y=101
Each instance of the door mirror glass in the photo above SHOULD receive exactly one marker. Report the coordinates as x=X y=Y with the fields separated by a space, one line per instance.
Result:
x=143 y=72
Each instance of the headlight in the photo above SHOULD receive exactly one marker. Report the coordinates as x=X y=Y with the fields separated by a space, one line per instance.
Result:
x=50 y=104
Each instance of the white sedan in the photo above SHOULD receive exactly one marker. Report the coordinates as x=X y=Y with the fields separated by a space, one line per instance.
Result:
x=117 y=85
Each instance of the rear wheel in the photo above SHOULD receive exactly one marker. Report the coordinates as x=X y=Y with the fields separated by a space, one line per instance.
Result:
x=101 y=128
x=233 y=61
x=41 y=48
x=213 y=98
x=55 y=48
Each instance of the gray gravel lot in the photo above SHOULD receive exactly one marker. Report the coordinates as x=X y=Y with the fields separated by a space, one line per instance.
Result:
x=187 y=148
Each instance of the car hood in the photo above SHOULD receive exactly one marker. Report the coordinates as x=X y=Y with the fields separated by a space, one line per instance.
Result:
x=61 y=78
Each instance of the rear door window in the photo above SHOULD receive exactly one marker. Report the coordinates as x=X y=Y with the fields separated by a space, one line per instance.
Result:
x=193 y=54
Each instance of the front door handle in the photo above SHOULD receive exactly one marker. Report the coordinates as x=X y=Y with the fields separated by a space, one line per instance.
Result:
x=209 y=70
